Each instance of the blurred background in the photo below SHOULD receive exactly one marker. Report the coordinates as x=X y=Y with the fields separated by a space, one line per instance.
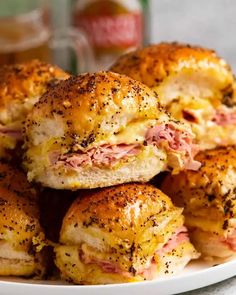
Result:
x=88 y=35
x=210 y=23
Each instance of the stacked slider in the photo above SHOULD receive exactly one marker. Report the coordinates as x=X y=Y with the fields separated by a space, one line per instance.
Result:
x=209 y=200
x=104 y=129
x=109 y=134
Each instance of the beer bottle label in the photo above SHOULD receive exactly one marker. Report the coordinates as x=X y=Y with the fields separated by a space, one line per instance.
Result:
x=110 y=24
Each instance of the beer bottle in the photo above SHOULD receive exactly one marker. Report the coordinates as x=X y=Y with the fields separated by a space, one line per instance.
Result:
x=114 y=27
x=146 y=23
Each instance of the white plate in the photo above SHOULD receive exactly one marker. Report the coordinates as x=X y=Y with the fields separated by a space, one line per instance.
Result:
x=196 y=275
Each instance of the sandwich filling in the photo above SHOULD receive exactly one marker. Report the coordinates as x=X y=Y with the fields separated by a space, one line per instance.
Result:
x=178 y=238
x=164 y=136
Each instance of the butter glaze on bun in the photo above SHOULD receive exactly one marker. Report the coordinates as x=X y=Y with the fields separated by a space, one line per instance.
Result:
x=21 y=85
x=208 y=198
x=19 y=225
x=125 y=233
x=193 y=83
x=102 y=129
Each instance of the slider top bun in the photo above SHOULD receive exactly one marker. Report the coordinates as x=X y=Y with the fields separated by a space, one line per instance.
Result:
x=19 y=219
x=21 y=85
x=132 y=209
x=19 y=213
x=19 y=225
x=15 y=180
x=79 y=130
x=157 y=64
x=207 y=194
x=92 y=107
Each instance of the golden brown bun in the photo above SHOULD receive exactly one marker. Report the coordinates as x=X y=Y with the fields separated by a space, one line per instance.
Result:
x=123 y=226
x=193 y=83
x=15 y=180
x=21 y=86
x=94 y=106
x=19 y=225
x=92 y=111
x=155 y=64
x=24 y=82
x=208 y=198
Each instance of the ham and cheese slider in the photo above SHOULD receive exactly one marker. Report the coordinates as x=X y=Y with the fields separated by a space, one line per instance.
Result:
x=209 y=200
x=102 y=129
x=193 y=83
x=19 y=225
x=21 y=85
x=126 y=233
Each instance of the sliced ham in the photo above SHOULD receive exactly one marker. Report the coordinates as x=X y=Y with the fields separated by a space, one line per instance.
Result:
x=106 y=266
x=224 y=118
x=179 y=237
x=231 y=241
x=177 y=140
x=107 y=155
x=11 y=132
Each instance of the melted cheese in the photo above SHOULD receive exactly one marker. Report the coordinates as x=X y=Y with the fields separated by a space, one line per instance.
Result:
x=133 y=133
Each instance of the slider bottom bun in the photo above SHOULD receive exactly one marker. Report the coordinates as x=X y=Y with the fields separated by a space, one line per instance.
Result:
x=212 y=244
x=126 y=233
x=18 y=267
x=210 y=135
x=139 y=168
x=76 y=271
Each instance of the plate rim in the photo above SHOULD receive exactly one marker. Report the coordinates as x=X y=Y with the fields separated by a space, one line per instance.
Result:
x=176 y=280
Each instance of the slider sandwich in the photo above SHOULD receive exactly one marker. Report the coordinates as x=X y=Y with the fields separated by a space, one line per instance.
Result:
x=102 y=129
x=19 y=226
x=21 y=85
x=193 y=83
x=209 y=200
x=126 y=233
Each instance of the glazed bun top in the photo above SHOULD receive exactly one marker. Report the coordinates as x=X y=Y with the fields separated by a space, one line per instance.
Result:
x=19 y=212
x=210 y=192
x=128 y=213
x=19 y=219
x=13 y=179
x=24 y=84
x=158 y=63
x=91 y=107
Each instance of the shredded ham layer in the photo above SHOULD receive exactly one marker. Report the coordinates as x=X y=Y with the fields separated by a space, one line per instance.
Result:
x=178 y=141
x=102 y=155
x=109 y=155
x=230 y=241
x=224 y=118
x=179 y=237
x=11 y=132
